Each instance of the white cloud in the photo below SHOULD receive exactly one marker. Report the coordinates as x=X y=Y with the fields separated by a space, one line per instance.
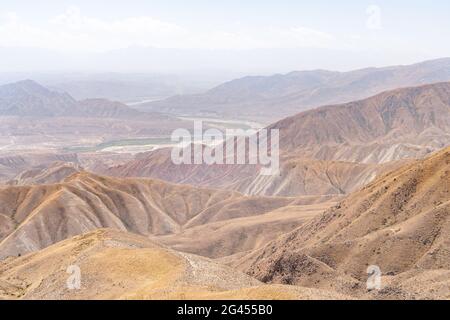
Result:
x=72 y=30
x=119 y=33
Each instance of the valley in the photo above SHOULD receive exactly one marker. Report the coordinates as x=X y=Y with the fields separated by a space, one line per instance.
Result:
x=363 y=181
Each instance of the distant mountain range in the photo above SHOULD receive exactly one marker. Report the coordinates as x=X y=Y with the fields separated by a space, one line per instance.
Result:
x=29 y=99
x=274 y=97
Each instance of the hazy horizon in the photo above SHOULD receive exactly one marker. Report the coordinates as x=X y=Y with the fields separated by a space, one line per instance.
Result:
x=261 y=37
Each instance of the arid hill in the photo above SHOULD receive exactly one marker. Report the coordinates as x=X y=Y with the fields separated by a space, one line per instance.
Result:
x=11 y=164
x=298 y=176
x=117 y=265
x=34 y=217
x=330 y=150
x=234 y=237
x=400 y=222
x=397 y=124
x=54 y=173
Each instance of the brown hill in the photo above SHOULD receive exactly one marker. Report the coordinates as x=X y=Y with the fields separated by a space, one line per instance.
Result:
x=12 y=164
x=37 y=216
x=298 y=177
x=400 y=222
x=54 y=173
x=329 y=150
x=238 y=236
x=137 y=268
x=415 y=119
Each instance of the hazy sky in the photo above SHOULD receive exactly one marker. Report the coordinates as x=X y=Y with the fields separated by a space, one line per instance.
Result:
x=390 y=29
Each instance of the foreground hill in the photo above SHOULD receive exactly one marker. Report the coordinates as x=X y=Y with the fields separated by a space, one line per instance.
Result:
x=137 y=269
x=400 y=222
x=12 y=164
x=274 y=97
x=34 y=217
x=51 y=204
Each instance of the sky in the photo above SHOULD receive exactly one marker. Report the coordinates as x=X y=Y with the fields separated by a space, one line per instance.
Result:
x=391 y=31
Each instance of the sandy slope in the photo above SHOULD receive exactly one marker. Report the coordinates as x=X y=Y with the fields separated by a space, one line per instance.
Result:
x=233 y=236
x=38 y=216
x=117 y=265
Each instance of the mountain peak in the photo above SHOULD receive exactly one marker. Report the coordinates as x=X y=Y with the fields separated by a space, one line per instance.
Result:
x=29 y=98
x=30 y=86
